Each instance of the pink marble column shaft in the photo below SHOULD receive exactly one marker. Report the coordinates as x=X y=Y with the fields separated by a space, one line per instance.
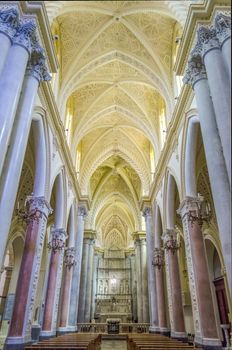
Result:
x=178 y=315
x=65 y=298
x=36 y=219
x=51 y=294
x=160 y=298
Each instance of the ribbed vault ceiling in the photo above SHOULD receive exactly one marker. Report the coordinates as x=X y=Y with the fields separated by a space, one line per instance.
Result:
x=116 y=60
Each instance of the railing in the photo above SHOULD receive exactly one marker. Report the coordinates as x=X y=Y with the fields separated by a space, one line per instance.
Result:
x=123 y=327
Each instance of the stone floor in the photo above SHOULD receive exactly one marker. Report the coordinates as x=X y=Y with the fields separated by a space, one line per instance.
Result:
x=113 y=345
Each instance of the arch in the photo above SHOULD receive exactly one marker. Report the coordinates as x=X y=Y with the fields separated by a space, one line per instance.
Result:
x=189 y=144
x=106 y=153
x=72 y=85
x=171 y=187
x=158 y=227
x=59 y=186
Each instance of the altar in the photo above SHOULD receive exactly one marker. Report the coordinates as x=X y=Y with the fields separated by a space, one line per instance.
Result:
x=113 y=325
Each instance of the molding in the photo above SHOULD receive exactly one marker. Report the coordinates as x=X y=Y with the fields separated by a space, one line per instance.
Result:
x=198 y=14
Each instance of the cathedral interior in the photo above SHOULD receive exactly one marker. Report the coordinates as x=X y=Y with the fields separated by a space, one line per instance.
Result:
x=115 y=174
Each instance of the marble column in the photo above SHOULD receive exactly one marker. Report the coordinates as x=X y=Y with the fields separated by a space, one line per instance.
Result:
x=147 y=213
x=83 y=282
x=143 y=252
x=134 y=286
x=222 y=24
x=174 y=285
x=206 y=334
x=56 y=245
x=139 y=281
x=8 y=274
x=69 y=262
x=36 y=219
x=158 y=258
x=9 y=23
x=11 y=81
x=196 y=76
x=36 y=71
x=75 y=288
x=94 y=283
x=209 y=47
x=87 y=314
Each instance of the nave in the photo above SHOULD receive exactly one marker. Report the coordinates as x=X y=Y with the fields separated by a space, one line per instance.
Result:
x=115 y=172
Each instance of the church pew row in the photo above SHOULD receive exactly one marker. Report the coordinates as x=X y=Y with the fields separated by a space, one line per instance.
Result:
x=154 y=341
x=74 y=341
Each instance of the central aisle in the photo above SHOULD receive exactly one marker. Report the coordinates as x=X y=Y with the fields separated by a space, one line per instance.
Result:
x=113 y=345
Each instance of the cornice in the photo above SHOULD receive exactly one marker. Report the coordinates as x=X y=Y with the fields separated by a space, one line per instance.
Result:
x=198 y=14
x=138 y=235
x=38 y=8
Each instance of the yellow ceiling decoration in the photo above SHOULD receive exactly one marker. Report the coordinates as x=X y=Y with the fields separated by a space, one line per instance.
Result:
x=116 y=68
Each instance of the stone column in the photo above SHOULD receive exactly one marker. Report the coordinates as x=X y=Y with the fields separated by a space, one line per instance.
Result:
x=196 y=76
x=75 y=289
x=8 y=274
x=69 y=262
x=147 y=213
x=87 y=314
x=56 y=245
x=83 y=282
x=174 y=286
x=36 y=218
x=94 y=283
x=9 y=23
x=139 y=280
x=222 y=24
x=209 y=47
x=134 y=287
x=206 y=334
x=11 y=81
x=158 y=263
x=35 y=72
x=143 y=252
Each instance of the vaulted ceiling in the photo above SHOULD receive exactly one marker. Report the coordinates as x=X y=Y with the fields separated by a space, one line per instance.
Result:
x=116 y=78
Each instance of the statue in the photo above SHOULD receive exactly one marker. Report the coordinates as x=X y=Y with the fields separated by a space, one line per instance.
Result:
x=100 y=289
x=106 y=287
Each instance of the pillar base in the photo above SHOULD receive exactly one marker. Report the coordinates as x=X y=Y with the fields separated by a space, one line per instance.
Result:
x=182 y=336
x=16 y=343
x=47 y=334
x=35 y=332
x=208 y=343
x=154 y=329
x=165 y=331
x=71 y=329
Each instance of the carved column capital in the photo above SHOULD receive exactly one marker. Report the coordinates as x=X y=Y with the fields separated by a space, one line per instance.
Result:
x=195 y=70
x=147 y=211
x=169 y=238
x=82 y=211
x=58 y=237
x=195 y=209
x=25 y=34
x=69 y=258
x=222 y=24
x=36 y=209
x=158 y=260
x=9 y=21
x=207 y=38
x=36 y=65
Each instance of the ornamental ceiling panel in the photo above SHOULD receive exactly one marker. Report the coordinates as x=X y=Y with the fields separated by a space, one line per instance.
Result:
x=76 y=29
x=157 y=30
